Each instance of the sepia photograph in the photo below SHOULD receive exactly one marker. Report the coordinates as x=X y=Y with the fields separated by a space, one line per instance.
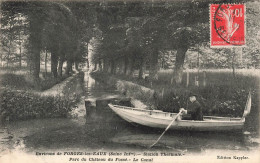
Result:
x=121 y=81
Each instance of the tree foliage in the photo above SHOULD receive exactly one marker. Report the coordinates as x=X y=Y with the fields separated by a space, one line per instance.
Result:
x=49 y=26
x=126 y=36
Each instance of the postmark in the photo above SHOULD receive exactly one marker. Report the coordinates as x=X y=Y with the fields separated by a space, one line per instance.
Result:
x=227 y=25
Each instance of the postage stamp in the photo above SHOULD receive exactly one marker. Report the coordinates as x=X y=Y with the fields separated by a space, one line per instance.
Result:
x=227 y=25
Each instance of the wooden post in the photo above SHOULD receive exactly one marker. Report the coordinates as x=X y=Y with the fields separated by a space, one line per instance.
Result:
x=241 y=58
x=196 y=81
x=46 y=57
x=198 y=64
x=188 y=78
x=171 y=80
x=233 y=52
x=162 y=92
x=204 y=78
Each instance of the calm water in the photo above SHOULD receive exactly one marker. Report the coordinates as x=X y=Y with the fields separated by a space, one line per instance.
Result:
x=102 y=132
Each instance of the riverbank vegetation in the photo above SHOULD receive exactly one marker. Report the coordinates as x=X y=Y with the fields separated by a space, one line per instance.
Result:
x=26 y=104
x=25 y=82
x=222 y=95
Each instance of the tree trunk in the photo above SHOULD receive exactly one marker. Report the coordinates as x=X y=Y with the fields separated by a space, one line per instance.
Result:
x=197 y=80
x=130 y=67
x=122 y=66
x=126 y=62
x=233 y=65
x=46 y=57
x=163 y=62
x=233 y=61
x=69 y=67
x=100 y=65
x=20 y=57
x=87 y=56
x=178 y=70
x=10 y=44
x=9 y=53
x=1 y=59
x=36 y=62
x=54 y=64
x=35 y=42
x=77 y=66
x=29 y=63
x=113 y=67
x=61 y=61
x=71 y=59
x=87 y=63
x=95 y=66
x=60 y=68
x=106 y=66
x=20 y=46
x=188 y=79
x=204 y=79
x=153 y=72
x=141 y=69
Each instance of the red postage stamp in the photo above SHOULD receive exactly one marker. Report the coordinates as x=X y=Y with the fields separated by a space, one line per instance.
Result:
x=227 y=25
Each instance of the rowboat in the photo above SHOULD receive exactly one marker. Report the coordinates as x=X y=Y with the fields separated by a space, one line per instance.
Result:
x=160 y=119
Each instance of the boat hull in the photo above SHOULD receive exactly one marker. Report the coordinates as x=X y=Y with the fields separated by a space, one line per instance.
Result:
x=159 y=119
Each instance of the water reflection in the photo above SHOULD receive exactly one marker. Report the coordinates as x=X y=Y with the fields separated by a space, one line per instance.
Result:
x=179 y=140
x=89 y=81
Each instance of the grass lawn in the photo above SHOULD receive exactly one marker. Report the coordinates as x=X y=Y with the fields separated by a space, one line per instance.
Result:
x=20 y=79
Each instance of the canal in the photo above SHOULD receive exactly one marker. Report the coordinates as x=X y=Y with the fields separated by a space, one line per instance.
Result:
x=100 y=132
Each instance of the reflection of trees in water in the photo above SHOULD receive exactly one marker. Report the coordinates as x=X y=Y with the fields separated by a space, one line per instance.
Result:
x=181 y=140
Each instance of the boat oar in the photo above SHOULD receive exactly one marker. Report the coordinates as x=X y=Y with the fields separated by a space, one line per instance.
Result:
x=166 y=129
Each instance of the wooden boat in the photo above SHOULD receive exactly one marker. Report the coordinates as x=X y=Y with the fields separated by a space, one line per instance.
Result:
x=160 y=119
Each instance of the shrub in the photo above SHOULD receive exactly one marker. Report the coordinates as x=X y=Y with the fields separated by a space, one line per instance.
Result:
x=25 y=104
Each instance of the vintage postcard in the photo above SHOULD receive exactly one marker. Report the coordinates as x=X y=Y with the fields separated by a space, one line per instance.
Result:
x=122 y=81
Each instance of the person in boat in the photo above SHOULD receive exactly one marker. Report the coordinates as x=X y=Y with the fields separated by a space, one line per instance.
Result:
x=194 y=110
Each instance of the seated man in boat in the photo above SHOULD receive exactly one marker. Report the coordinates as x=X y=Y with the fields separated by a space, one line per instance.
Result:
x=194 y=110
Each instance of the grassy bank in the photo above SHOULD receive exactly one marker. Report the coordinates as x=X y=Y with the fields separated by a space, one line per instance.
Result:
x=127 y=88
x=26 y=104
x=23 y=81
x=222 y=95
